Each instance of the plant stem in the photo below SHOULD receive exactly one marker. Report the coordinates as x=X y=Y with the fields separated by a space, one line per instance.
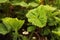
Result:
x=31 y=35
x=15 y=35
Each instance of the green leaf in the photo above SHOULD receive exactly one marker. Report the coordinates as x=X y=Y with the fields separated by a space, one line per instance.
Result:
x=13 y=22
x=57 y=20
x=45 y=31
x=3 y=1
x=56 y=13
x=57 y=3
x=50 y=15
x=5 y=22
x=3 y=29
x=37 y=16
x=49 y=8
x=56 y=31
x=51 y=21
x=32 y=4
x=20 y=3
x=31 y=28
x=38 y=1
x=24 y=4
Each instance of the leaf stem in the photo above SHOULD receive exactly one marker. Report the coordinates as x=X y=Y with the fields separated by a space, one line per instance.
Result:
x=15 y=35
x=31 y=35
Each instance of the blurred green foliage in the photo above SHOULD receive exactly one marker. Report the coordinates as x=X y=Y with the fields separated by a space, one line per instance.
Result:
x=41 y=16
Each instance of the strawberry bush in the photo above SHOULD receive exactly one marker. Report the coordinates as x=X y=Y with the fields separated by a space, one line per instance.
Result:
x=29 y=19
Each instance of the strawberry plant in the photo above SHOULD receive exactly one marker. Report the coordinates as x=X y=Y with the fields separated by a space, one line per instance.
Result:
x=29 y=20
